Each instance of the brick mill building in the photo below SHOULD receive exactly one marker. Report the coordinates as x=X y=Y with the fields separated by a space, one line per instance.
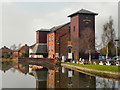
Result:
x=82 y=23
x=54 y=42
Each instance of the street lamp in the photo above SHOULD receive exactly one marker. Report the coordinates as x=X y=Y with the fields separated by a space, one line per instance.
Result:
x=116 y=47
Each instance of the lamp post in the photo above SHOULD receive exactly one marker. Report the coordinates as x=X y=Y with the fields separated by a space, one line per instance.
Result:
x=116 y=47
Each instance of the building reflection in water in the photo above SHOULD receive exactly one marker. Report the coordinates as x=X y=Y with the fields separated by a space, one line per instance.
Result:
x=60 y=77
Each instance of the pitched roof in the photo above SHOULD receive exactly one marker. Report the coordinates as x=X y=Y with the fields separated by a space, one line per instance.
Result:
x=43 y=30
x=40 y=48
x=5 y=49
x=22 y=48
x=55 y=28
x=83 y=11
x=32 y=46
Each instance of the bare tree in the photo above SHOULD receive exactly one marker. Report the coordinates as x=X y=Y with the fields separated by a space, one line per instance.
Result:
x=19 y=45
x=89 y=41
x=13 y=47
x=108 y=34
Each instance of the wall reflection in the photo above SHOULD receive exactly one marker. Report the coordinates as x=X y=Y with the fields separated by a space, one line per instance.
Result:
x=60 y=77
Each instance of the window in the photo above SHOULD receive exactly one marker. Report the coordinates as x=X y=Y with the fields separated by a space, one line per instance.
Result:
x=49 y=38
x=74 y=28
x=51 y=47
x=52 y=37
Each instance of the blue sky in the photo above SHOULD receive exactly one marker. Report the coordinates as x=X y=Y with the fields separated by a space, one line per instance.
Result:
x=20 y=20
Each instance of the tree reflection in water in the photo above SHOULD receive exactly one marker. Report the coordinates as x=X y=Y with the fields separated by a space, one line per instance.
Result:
x=60 y=77
x=106 y=83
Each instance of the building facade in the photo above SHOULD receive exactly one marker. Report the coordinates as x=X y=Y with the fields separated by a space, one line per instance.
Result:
x=82 y=24
x=51 y=44
x=57 y=41
x=5 y=52
x=62 y=38
x=39 y=49
x=22 y=51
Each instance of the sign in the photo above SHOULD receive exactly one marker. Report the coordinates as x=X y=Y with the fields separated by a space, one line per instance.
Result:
x=70 y=73
x=69 y=55
x=69 y=47
x=69 y=44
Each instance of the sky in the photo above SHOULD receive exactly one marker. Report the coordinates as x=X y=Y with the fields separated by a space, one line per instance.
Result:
x=21 y=20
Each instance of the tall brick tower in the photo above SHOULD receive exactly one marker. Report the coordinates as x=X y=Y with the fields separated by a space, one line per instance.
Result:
x=79 y=22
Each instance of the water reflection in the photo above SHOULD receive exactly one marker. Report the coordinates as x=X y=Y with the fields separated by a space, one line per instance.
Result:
x=53 y=77
x=107 y=83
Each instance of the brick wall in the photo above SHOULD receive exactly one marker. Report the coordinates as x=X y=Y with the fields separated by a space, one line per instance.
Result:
x=62 y=37
x=79 y=23
x=41 y=36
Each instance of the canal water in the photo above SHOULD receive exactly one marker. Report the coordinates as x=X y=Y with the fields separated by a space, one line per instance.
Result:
x=19 y=75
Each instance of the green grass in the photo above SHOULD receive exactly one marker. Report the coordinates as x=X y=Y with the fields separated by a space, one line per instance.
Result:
x=111 y=68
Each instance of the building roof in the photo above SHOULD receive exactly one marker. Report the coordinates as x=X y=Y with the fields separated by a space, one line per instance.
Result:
x=23 y=47
x=47 y=30
x=5 y=49
x=40 y=48
x=83 y=11
x=32 y=46
x=55 y=28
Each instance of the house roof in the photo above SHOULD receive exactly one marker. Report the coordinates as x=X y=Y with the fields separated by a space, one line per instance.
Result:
x=32 y=46
x=83 y=11
x=5 y=49
x=55 y=28
x=47 y=30
x=22 y=48
x=40 y=48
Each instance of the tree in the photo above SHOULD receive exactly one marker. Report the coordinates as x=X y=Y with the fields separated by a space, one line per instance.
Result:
x=108 y=34
x=89 y=41
x=13 y=47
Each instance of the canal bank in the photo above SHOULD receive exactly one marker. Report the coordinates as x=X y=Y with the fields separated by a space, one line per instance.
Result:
x=93 y=72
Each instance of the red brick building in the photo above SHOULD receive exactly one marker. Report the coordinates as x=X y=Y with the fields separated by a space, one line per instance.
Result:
x=5 y=52
x=81 y=22
x=57 y=40
x=22 y=51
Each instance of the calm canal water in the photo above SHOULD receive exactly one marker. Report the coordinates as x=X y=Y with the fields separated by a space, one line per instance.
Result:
x=17 y=75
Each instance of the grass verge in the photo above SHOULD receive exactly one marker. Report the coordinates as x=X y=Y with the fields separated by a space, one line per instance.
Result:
x=111 y=68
